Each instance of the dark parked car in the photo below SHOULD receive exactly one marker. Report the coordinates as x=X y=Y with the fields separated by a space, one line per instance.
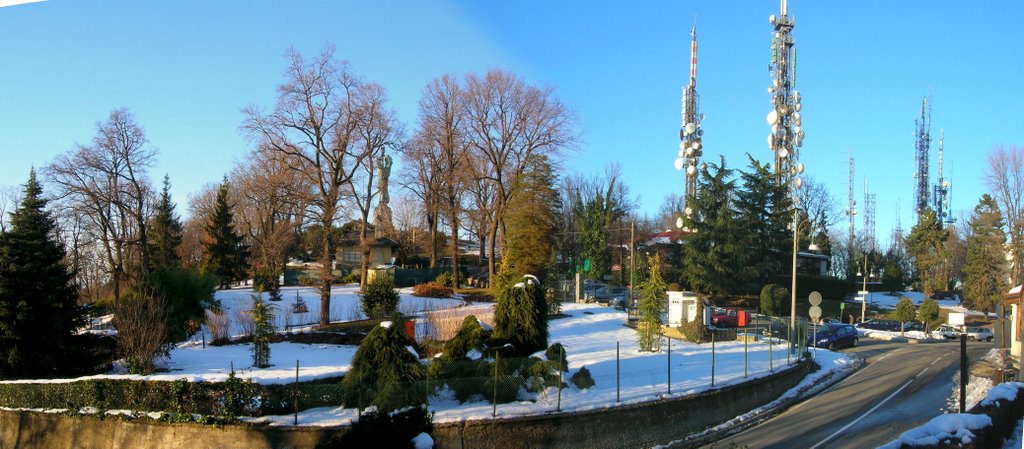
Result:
x=880 y=325
x=834 y=336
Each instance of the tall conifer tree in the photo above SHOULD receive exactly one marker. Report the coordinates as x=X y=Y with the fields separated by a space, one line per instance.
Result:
x=763 y=213
x=985 y=270
x=38 y=297
x=532 y=222
x=225 y=254
x=652 y=292
x=711 y=254
x=165 y=232
x=926 y=244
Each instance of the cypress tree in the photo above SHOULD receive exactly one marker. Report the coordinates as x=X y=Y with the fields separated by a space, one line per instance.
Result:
x=521 y=316
x=652 y=292
x=225 y=255
x=384 y=371
x=38 y=296
x=531 y=222
x=165 y=232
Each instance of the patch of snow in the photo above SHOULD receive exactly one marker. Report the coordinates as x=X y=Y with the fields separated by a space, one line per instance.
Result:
x=1016 y=439
x=941 y=428
x=423 y=441
x=385 y=324
x=1007 y=391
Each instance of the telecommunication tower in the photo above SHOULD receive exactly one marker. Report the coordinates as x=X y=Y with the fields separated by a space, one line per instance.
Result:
x=869 y=218
x=941 y=190
x=786 y=137
x=690 y=132
x=922 y=146
x=851 y=204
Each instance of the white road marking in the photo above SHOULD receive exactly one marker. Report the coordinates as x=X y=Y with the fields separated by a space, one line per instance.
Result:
x=862 y=416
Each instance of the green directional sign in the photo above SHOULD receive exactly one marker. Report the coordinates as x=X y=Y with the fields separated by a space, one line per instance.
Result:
x=586 y=264
x=842 y=306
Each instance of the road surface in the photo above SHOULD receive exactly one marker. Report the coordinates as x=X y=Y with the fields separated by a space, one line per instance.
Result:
x=900 y=386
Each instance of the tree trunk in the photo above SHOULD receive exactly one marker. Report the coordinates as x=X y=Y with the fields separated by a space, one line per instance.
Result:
x=432 y=227
x=364 y=248
x=325 y=273
x=492 y=235
x=455 y=251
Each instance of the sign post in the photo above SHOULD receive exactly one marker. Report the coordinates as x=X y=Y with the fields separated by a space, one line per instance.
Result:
x=815 y=312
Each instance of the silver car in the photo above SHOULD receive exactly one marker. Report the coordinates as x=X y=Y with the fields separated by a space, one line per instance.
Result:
x=979 y=334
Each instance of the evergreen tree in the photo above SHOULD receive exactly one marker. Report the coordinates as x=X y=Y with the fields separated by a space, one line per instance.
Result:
x=926 y=245
x=711 y=253
x=165 y=231
x=652 y=293
x=532 y=222
x=384 y=372
x=763 y=213
x=892 y=277
x=928 y=312
x=38 y=309
x=521 y=316
x=904 y=311
x=263 y=320
x=986 y=269
x=225 y=255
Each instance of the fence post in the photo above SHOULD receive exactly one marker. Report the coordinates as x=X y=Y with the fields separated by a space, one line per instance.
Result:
x=746 y=336
x=616 y=371
x=561 y=357
x=494 y=406
x=669 y=367
x=712 y=359
x=295 y=393
x=789 y=343
x=771 y=340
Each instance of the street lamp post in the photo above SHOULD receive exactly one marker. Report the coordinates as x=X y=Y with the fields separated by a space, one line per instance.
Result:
x=792 y=290
x=864 y=302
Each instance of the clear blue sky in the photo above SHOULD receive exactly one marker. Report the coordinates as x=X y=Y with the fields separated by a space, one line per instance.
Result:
x=186 y=68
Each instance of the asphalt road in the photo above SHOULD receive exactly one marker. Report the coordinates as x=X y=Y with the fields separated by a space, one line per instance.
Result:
x=899 y=387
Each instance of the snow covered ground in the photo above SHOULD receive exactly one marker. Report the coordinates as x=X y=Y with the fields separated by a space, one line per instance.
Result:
x=590 y=333
x=884 y=300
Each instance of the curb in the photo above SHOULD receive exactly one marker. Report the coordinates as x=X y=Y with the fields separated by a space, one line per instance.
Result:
x=726 y=429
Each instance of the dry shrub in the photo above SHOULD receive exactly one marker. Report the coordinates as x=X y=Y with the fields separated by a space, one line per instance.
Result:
x=432 y=290
x=218 y=324
x=245 y=321
x=445 y=323
x=141 y=323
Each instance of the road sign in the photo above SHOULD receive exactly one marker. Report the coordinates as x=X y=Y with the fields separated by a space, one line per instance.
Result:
x=814 y=299
x=815 y=313
x=842 y=306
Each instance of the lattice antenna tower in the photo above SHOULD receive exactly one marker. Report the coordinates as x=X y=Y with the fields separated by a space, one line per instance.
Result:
x=786 y=136
x=922 y=146
x=690 y=132
x=943 y=210
x=869 y=218
x=851 y=204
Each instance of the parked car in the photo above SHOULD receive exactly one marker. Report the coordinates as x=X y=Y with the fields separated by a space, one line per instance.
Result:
x=722 y=317
x=834 y=336
x=979 y=334
x=946 y=331
x=880 y=325
x=913 y=326
x=614 y=296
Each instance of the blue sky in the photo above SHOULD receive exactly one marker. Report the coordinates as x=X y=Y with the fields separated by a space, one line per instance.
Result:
x=186 y=68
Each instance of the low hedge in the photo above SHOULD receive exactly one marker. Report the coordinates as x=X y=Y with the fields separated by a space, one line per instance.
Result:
x=235 y=397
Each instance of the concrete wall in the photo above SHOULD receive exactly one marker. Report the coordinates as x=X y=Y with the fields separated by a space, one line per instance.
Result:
x=639 y=425
x=635 y=425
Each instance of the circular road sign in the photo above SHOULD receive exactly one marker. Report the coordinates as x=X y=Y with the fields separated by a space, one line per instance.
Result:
x=815 y=313
x=814 y=299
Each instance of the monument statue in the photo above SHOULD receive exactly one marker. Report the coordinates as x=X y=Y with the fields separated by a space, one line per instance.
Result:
x=382 y=214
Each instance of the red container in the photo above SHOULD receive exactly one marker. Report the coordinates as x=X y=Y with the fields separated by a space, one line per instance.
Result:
x=742 y=318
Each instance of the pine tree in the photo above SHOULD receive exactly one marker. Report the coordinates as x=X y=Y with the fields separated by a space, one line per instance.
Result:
x=926 y=245
x=652 y=293
x=384 y=371
x=225 y=255
x=521 y=316
x=892 y=277
x=165 y=232
x=38 y=296
x=763 y=213
x=263 y=319
x=712 y=251
x=985 y=269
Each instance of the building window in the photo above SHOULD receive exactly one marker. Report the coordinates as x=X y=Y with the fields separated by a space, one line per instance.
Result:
x=351 y=256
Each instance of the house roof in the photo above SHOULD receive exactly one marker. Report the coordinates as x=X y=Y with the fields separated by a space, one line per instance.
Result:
x=668 y=236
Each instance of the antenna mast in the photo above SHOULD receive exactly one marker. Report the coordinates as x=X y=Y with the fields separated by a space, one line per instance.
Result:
x=922 y=146
x=690 y=132
x=943 y=210
x=786 y=136
x=869 y=218
x=851 y=204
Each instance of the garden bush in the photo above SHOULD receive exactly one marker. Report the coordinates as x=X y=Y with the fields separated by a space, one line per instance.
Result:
x=379 y=298
x=444 y=279
x=582 y=379
x=432 y=290
x=351 y=278
x=773 y=300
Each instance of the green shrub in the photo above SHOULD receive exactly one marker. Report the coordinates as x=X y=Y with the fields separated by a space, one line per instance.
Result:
x=351 y=278
x=582 y=379
x=432 y=290
x=773 y=300
x=263 y=320
x=379 y=298
x=187 y=294
x=382 y=429
x=556 y=354
x=444 y=279
x=384 y=373
x=521 y=316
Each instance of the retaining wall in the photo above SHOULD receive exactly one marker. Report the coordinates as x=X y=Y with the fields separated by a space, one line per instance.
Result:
x=634 y=425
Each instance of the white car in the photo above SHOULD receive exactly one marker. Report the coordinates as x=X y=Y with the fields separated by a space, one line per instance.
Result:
x=979 y=334
x=947 y=332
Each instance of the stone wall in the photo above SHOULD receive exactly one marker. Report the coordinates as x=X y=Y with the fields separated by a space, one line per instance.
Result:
x=636 y=425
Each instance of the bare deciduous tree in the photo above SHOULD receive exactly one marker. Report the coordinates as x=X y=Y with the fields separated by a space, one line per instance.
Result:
x=107 y=182
x=312 y=130
x=1005 y=178
x=508 y=121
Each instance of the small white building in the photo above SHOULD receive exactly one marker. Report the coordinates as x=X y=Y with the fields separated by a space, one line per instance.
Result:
x=1014 y=299
x=682 y=308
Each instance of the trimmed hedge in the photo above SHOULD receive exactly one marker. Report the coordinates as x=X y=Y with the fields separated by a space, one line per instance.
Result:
x=234 y=397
